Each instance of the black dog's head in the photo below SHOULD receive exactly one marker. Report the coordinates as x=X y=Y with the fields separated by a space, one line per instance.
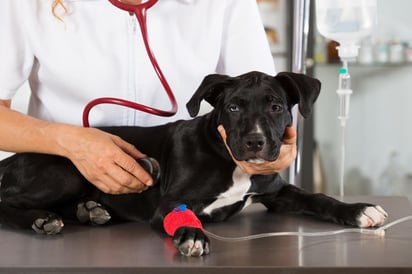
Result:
x=255 y=108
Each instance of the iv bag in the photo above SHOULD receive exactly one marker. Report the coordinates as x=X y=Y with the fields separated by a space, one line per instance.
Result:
x=346 y=21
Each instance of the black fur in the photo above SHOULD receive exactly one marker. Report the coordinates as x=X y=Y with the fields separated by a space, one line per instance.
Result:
x=38 y=191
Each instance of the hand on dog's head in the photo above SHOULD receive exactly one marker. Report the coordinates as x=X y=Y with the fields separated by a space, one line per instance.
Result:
x=255 y=108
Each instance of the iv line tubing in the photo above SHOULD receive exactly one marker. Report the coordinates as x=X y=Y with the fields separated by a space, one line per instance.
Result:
x=140 y=12
x=342 y=164
x=379 y=232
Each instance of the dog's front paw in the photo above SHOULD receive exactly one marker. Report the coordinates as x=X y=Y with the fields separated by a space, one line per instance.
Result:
x=372 y=216
x=92 y=212
x=191 y=241
x=49 y=225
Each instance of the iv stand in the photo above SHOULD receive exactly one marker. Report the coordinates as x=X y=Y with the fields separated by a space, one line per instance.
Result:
x=301 y=11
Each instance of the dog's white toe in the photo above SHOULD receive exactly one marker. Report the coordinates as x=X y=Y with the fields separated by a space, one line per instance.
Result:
x=372 y=216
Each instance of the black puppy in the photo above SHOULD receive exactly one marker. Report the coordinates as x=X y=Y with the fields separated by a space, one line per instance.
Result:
x=38 y=190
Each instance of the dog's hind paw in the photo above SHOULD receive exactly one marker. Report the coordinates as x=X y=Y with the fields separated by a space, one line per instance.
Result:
x=372 y=216
x=49 y=225
x=92 y=212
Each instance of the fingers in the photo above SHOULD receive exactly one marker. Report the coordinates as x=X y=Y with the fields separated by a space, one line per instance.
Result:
x=127 y=161
x=222 y=132
x=112 y=178
x=124 y=174
x=289 y=136
x=107 y=161
x=288 y=150
x=133 y=174
x=118 y=181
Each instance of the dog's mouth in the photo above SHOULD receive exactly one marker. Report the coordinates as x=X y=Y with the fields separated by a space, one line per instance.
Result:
x=259 y=157
x=256 y=161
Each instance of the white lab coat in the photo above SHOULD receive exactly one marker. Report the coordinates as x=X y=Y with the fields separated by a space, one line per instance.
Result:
x=97 y=51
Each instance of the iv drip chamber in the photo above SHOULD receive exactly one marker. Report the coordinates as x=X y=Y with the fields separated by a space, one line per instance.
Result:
x=344 y=92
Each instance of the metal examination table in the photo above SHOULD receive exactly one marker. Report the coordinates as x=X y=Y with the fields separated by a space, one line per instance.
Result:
x=135 y=248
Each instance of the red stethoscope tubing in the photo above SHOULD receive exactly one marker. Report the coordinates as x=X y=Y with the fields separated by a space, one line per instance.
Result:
x=140 y=11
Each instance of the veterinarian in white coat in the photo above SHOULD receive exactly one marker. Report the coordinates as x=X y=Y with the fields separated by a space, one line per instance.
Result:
x=73 y=51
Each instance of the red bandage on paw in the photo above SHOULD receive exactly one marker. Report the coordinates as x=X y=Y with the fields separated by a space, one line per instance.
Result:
x=178 y=217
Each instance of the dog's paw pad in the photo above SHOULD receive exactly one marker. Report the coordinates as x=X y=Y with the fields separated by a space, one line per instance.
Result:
x=372 y=216
x=92 y=212
x=48 y=225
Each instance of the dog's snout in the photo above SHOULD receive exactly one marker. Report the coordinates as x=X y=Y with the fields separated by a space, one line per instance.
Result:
x=254 y=142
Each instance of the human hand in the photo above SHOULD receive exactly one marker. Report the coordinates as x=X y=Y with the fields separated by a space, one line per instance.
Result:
x=286 y=156
x=105 y=160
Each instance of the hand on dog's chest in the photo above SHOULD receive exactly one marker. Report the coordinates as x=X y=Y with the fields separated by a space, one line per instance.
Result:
x=237 y=192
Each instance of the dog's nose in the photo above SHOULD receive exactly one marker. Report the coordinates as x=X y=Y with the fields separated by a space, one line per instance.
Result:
x=254 y=142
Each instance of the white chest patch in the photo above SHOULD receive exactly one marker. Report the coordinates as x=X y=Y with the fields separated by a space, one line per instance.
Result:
x=240 y=187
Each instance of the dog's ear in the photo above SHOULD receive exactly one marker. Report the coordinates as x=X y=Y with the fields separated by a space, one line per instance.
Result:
x=301 y=89
x=211 y=89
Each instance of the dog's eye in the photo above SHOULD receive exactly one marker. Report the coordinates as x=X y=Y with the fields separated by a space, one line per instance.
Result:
x=277 y=108
x=233 y=108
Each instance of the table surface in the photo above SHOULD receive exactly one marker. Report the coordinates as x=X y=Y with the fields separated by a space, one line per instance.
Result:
x=134 y=247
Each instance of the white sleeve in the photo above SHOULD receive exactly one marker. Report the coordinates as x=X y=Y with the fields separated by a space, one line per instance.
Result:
x=245 y=46
x=16 y=58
